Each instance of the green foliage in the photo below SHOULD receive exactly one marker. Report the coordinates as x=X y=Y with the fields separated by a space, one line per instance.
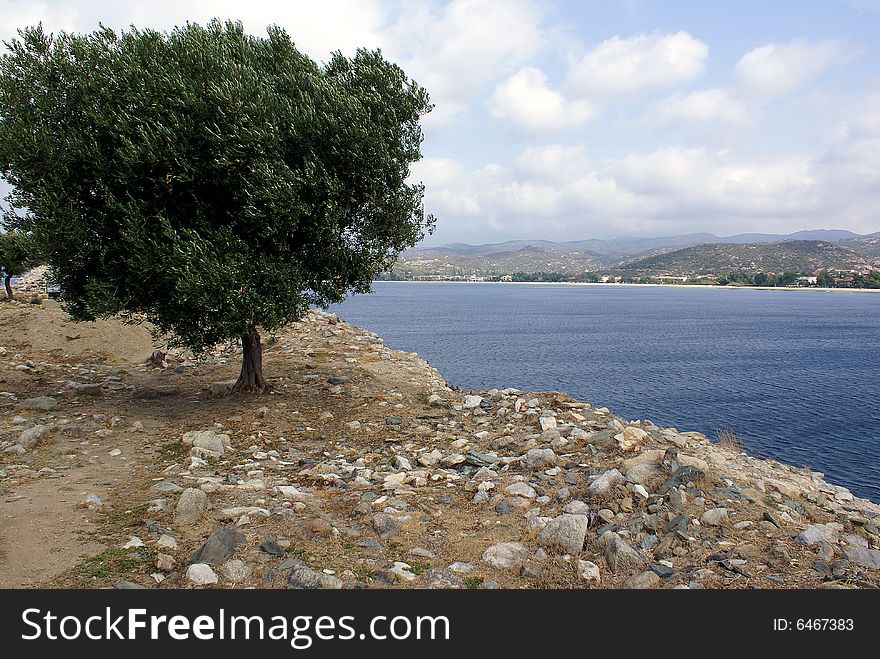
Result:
x=18 y=253
x=209 y=181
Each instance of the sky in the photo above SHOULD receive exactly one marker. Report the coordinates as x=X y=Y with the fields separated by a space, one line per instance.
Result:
x=567 y=120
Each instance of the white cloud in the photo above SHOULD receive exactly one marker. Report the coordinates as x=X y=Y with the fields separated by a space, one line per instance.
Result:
x=526 y=100
x=644 y=62
x=317 y=28
x=701 y=105
x=559 y=192
x=778 y=69
x=460 y=50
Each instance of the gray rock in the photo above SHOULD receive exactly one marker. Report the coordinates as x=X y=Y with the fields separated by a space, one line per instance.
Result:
x=190 y=506
x=305 y=578
x=588 y=571
x=521 y=490
x=606 y=481
x=165 y=562
x=565 y=533
x=386 y=525
x=863 y=557
x=816 y=533
x=32 y=436
x=235 y=571
x=619 y=554
x=643 y=581
x=714 y=517
x=167 y=486
x=643 y=473
x=207 y=442
x=219 y=547
x=271 y=547
x=531 y=569
x=90 y=389
x=440 y=578
x=539 y=458
x=576 y=507
x=506 y=555
x=45 y=403
x=125 y=584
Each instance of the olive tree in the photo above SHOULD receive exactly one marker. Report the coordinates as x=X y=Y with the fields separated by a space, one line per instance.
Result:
x=211 y=182
x=17 y=255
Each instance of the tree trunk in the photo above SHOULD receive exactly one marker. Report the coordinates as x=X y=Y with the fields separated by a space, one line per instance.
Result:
x=251 y=377
x=9 y=295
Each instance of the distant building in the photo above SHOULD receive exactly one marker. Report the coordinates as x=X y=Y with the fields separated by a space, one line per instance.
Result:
x=807 y=281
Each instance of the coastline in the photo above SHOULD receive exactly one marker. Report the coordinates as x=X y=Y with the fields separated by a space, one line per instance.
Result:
x=619 y=285
x=377 y=473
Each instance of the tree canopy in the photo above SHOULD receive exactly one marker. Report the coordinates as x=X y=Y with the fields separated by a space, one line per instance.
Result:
x=209 y=181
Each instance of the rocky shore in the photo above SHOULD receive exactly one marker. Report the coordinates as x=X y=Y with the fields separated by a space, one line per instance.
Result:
x=365 y=469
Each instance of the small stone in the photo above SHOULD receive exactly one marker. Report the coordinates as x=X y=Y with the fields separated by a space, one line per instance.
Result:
x=506 y=555
x=620 y=555
x=164 y=562
x=714 y=517
x=440 y=578
x=386 y=525
x=235 y=570
x=165 y=541
x=219 y=547
x=576 y=507
x=134 y=543
x=643 y=581
x=44 y=403
x=607 y=481
x=521 y=490
x=201 y=574
x=588 y=571
x=33 y=436
x=539 y=458
x=270 y=546
x=863 y=557
x=470 y=402
x=190 y=506
x=303 y=577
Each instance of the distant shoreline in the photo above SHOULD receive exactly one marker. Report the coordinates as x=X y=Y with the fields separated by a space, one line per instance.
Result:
x=817 y=289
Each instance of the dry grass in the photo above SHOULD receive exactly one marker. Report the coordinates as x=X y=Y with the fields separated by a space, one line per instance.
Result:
x=728 y=439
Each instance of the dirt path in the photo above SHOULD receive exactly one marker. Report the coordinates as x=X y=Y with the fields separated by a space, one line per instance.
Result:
x=44 y=527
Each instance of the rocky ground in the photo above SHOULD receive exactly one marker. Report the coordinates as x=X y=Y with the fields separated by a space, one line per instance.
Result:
x=364 y=469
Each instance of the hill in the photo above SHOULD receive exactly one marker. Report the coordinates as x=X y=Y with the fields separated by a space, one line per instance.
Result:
x=868 y=246
x=578 y=256
x=788 y=256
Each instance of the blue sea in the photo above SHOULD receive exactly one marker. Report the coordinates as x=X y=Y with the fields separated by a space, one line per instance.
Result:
x=795 y=374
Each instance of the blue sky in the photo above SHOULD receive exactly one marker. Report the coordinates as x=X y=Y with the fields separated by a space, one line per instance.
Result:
x=566 y=120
